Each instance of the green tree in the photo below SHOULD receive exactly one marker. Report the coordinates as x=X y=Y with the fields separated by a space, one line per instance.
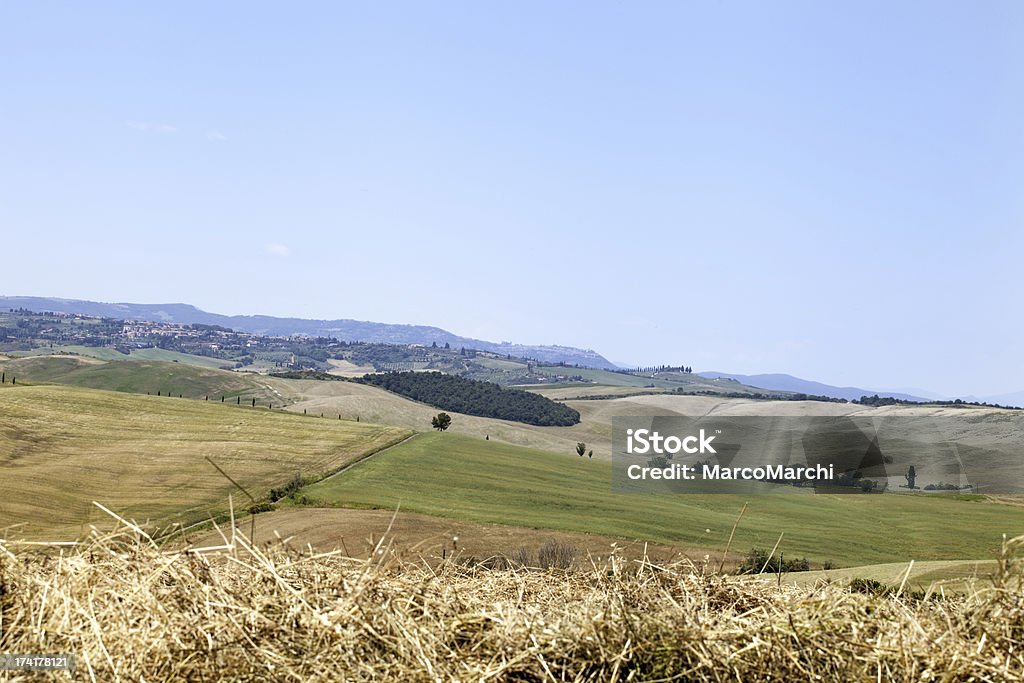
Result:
x=441 y=421
x=911 y=476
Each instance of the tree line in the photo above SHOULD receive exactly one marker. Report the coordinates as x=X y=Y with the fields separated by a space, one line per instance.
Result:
x=877 y=401
x=472 y=397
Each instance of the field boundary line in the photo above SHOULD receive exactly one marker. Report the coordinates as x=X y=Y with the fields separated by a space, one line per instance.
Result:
x=367 y=456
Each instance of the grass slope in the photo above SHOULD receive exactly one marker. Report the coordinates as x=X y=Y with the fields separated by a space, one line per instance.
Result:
x=952 y=575
x=142 y=377
x=483 y=481
x=668 y=381
x=106 y=353
x=351 y=400
x=62 y=448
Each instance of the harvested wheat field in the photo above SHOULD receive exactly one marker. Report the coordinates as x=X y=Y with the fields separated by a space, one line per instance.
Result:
x=431 y=539
x=131 y=611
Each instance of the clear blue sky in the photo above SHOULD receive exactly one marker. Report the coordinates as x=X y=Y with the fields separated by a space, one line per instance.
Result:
x=830 y=191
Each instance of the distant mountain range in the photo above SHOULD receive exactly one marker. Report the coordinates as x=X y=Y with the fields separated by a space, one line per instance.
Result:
x=1014 y=398
x=343 y=329
x=780 y=382
x=357 y=330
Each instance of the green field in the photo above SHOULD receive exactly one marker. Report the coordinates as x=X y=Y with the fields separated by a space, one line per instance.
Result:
x=142 y=377
x=483 y=481
x=952 y=575
x=607 y=378
x=61 y=448
x=667 y=381
x=64 y=447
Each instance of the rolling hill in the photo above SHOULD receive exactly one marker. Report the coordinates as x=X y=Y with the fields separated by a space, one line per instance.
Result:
x=61 y=448
x=68 y=445
x=459 y=477
x=142 y=377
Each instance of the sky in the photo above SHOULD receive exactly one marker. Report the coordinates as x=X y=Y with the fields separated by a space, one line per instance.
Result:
x=831 y=190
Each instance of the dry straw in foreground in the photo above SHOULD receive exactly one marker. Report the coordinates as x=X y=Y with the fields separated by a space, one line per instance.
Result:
x=133 y=611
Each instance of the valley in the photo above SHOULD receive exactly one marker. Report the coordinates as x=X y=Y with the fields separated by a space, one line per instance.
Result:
x=63 y=445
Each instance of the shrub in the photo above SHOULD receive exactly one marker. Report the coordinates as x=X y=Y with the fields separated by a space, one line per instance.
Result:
x=287 y=490
x=550 y=555
x=521 y=557
x=870 y=587
x=555 y=555
x=756 y=562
